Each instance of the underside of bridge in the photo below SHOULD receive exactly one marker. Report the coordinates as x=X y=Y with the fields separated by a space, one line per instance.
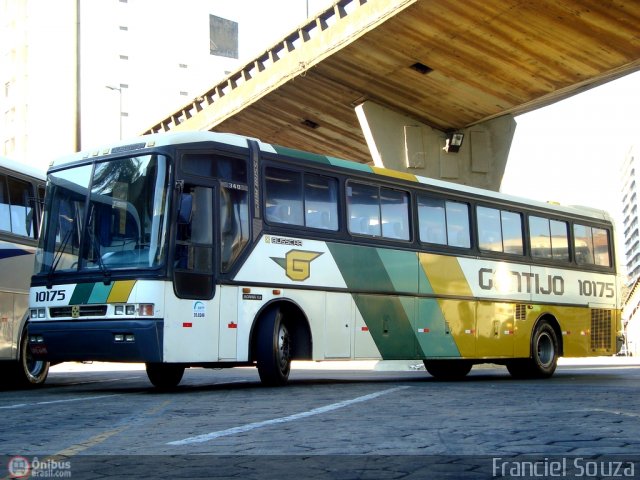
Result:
x=389 y=81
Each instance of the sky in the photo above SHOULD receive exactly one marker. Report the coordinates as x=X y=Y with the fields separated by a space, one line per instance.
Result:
x=572 y=151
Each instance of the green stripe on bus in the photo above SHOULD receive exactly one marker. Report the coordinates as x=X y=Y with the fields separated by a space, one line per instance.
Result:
x=389 y=325
x=314 y=157
x=362 y=268
x=402 y=268
x=100 y=293
x=337 y=162
x=431 y=329
x=81 y=293
x=290 y=152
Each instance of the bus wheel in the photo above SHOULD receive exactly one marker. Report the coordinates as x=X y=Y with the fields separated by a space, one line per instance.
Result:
x=448 y=369
x=273 y=349
x=29 y=372
x=544 y=350
x=544 y=355
x=164 y=375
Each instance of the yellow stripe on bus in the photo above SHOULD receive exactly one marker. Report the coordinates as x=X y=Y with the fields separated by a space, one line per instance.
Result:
x=121 y=291
x=394 y=174
x=445 y=275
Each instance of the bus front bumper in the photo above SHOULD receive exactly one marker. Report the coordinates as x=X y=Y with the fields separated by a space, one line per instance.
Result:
x=104 y=340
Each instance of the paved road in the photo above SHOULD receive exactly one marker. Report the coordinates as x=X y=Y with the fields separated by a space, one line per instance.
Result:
x=328 y=423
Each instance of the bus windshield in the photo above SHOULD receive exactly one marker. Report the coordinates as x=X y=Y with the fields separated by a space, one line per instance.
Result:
x=106 y=215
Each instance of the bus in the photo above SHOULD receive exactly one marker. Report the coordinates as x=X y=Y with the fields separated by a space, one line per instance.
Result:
x=21 y=193
x=202 y=249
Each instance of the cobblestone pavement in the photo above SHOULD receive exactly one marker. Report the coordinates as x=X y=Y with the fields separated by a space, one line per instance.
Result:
x=384 y=421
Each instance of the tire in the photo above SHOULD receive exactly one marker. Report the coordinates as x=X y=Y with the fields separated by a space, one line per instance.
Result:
x=544 y=355
x=448 y=369
x=273 y=349
x=164 y=375
x=27 y=371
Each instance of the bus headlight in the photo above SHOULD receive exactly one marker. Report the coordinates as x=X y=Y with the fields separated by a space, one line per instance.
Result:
x=145 y=310
x=38 y=313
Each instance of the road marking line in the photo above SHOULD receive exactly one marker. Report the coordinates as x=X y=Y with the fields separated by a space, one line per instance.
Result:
x=20 y=405
x=290 y=418
x=613 y=412
x=93 y=441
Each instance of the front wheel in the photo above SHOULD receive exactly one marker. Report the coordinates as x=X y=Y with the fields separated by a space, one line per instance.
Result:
x=28 y=371
x=273 y=349
x=164 y=375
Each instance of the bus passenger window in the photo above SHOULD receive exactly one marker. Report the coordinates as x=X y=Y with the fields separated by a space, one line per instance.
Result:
x=5 y=206
x=559 y=240
x=591 y=245
x=363 y=204
x=512 y=232
x=489 y=231
x=321 y=202
x=283 y=196
x=394 y=209
x=443 y=222
x=601 y=247
x=500 y=231
x=548 y=239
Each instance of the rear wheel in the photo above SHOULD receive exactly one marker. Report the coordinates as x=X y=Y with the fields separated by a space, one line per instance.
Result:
x=164 y=375
x=544 y=355
x=273 y=349
x=448 y=369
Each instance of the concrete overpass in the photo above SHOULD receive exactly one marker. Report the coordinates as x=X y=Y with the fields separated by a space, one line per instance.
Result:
x=388 y=81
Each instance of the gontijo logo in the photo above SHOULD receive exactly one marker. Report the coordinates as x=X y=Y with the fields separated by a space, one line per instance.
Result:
x=297 y=264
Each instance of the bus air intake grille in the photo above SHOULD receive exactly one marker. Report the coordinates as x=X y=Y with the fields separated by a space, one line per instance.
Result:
x=600 y=329
x=85 y=311
x=521 y=312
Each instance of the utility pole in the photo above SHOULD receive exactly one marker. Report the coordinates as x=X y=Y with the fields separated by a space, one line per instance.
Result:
x=78 y=106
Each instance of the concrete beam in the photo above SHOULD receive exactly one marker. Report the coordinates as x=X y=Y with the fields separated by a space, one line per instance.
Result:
x=402 y=143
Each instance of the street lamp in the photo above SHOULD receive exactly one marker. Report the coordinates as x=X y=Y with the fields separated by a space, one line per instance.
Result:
x=119 y=90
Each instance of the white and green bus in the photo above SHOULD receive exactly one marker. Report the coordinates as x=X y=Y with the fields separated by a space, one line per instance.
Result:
x=215 y=250
x=21 y=194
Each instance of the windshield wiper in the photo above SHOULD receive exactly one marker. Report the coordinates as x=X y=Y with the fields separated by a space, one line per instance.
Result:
x=103 y=267
x=57 y=257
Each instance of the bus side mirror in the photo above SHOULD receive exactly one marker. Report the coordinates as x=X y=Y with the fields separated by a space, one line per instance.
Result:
x=185 y=209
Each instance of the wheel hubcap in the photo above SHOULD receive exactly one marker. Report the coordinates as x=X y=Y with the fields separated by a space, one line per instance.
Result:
x=546 y=352
x=283 y=347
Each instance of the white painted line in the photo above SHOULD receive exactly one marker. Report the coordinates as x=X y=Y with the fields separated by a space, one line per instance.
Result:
x=87 y=382
x=290 y=418
x=79 y=399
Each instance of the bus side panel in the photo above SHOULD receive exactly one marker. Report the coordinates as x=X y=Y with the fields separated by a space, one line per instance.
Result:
x=390 y=320
x=445 y=277
x=364 y=347
x=7 y=326
x=17 y=267
x=190 y=328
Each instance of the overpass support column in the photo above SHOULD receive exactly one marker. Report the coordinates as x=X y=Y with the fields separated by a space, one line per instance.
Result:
x=400 y=142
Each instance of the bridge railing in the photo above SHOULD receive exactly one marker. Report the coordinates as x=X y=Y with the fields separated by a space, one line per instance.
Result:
x=313 y=27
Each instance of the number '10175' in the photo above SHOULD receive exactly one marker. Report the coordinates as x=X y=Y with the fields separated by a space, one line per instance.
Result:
x=591 y=288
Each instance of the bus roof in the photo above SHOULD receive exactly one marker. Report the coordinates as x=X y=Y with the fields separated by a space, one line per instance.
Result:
x=177 y=138
x=21 y=168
